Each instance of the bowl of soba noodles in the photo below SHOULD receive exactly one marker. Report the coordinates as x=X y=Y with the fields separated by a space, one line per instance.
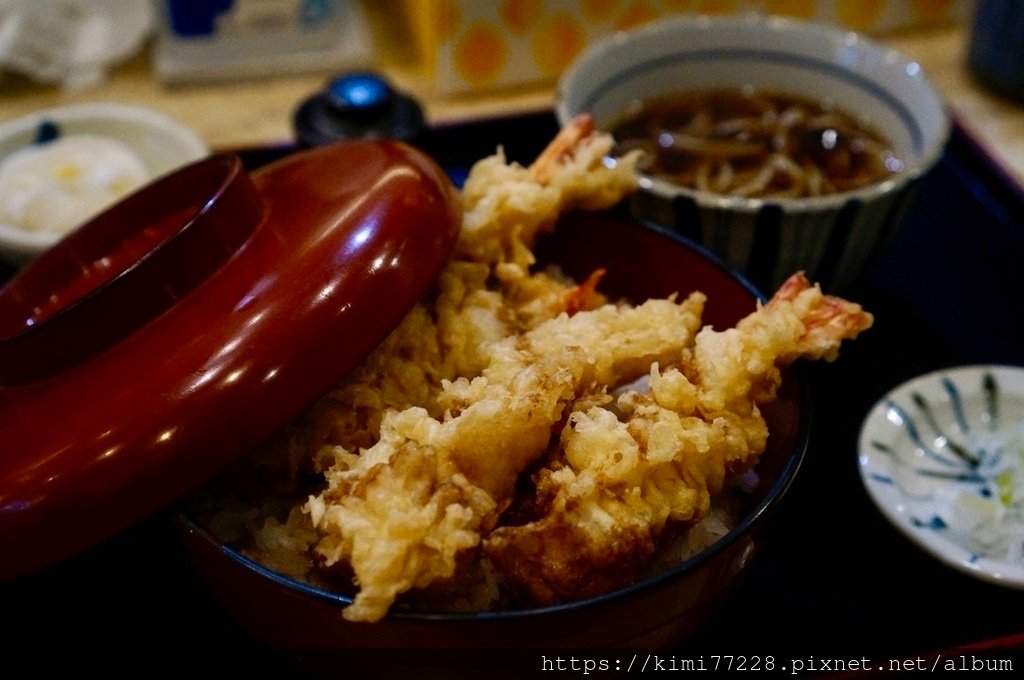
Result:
x=779 y=144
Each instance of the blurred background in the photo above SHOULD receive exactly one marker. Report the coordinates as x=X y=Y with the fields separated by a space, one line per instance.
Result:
x=235 y=70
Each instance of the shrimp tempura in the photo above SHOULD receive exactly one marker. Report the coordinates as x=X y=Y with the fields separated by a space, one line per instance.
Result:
x=621 y=481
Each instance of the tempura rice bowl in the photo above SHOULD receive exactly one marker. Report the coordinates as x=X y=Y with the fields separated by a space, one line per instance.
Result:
x=662 y=608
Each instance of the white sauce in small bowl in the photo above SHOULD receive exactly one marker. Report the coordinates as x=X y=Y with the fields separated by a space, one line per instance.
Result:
x=57 y=186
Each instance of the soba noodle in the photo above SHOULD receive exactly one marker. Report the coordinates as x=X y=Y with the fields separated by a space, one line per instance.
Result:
x=757 y=144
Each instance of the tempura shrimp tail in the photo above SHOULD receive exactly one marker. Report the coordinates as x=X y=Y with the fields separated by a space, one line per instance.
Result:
x=562 y=146
x=506 y=205
x=739 y=367
x=828 y=320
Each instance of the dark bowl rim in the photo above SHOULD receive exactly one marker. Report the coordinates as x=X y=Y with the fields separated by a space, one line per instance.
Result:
x=757 y=515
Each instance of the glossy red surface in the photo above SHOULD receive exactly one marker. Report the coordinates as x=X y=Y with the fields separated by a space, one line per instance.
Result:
x=228 y=326
x=143 y=254
x=98 y=272
x=640 y=263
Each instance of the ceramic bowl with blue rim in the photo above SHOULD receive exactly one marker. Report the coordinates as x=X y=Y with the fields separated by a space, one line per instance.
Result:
x=831 y=237
x=942 y=456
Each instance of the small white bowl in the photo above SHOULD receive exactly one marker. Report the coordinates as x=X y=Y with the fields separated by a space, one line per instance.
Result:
x=830 y=237
x=942 y=456
x=159 y=141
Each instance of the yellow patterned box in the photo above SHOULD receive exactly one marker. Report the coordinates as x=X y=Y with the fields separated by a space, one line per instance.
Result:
x=468 y=45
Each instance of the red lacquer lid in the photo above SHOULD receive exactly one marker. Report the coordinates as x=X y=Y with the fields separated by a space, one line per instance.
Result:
x=186 y=324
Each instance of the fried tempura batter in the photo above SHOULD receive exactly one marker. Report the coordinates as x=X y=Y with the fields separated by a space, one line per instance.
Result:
x=619 y=483
x=403 y=397
x=501 y=371
x=496 y=425
x=486 y=292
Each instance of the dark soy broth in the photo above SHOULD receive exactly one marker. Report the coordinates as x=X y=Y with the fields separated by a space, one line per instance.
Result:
x=755 y=143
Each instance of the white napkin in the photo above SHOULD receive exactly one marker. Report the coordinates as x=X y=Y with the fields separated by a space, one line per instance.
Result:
x=71 y=42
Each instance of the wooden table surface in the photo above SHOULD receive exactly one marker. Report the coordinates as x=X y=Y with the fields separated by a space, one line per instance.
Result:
x=258 y=112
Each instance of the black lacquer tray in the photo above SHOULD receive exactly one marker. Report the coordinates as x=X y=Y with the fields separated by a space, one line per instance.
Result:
x=836 y=580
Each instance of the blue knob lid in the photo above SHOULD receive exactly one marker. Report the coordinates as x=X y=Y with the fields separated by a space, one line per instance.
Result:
x=359 y=92
x=357 y=105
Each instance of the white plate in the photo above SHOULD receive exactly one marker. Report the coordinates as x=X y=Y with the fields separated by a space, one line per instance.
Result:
x=943 y=458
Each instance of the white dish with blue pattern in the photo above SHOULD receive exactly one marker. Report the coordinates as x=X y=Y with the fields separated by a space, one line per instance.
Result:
x=943 y=457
